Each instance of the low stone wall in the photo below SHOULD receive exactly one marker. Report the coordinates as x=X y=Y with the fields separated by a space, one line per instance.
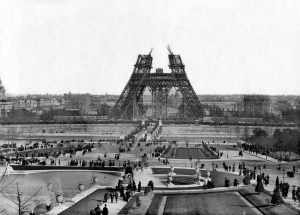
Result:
x=40 y=167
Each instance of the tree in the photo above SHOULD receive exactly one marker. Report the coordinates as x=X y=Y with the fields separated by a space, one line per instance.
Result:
x=4 y=186
x=259 y=185
x=22 y=204
x=276 y=197
x=237 y=130
x=278 y=141
x=258 y=132
x=290 y=140
x=246 y=134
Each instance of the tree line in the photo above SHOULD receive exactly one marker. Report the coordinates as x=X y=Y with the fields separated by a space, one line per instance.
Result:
x=281 y=144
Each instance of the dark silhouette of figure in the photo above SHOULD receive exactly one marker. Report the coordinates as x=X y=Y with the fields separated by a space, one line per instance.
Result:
x=139 y=186
x=105 y=197
x=105 y=210
x=116 y=197
x=112 y=198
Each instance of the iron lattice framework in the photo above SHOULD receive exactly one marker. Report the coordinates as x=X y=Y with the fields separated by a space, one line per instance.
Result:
x=130 y=103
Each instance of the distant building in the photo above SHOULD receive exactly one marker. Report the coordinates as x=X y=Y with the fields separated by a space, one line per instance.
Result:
x=226 y=106
x=5 y=105
x=283 y=105
x=86 y=103
x=2 y=92
x=297 y=104
x=255 y=105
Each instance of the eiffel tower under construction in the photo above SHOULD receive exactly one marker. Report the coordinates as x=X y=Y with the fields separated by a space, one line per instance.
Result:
x=129 y=105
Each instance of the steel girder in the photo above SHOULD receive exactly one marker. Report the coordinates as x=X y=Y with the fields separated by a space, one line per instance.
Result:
x=130 y=103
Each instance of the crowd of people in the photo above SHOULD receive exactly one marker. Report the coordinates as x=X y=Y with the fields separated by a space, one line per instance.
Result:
x=125 y=189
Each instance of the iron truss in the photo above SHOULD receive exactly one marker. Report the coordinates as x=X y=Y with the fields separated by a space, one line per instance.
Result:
x=130 y=103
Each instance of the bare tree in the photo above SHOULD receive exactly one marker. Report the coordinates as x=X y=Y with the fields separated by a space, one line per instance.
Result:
x=246 y=134
x=3 y=186
x=22 y=204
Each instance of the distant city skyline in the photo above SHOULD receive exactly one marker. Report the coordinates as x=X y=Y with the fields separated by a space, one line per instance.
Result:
x=228 y=47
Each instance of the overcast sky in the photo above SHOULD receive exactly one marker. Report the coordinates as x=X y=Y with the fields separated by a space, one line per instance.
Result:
x=228 y=47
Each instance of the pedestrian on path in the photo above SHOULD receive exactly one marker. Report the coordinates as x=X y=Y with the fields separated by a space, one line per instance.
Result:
x=112 y=198
x=298 y=194
x=294 y=197
x=116 y=197
x=105 y=197
x=139 y=186
x=133 y=187
x=105 y=210
x=97 y=210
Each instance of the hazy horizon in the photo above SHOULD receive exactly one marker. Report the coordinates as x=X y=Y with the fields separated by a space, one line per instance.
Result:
x=232 y=47
x=60 y=94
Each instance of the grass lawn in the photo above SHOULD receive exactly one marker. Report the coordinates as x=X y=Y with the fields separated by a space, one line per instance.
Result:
x=211 y=203
x=242 y=201
x=187 y=153
x=179 y=180
x=180 y=171
x=214 y=203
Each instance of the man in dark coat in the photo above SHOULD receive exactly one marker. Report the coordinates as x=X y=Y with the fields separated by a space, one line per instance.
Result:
x=97 y=210
x=122 y=191
x=105 y=197
x=105 y=210
x=112 y=198
x=133 y=186
x=139 y=186
x=116 y=197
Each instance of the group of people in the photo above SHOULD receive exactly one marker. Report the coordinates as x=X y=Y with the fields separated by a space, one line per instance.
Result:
x=284 y=189
x=112 y=195
x=296 y=194
x=98 y=211
x=229 y=168
x=131 y=189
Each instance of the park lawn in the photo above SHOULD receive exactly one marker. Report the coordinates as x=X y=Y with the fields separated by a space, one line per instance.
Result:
x=243 y=201
x=180 y=171
x=183 y=180
x=211 y=203
x=208 y=154
x=263 y=202
x=187 y=153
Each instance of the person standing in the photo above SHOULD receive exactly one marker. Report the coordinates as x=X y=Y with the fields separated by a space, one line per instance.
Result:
x=122 y=191
x=267 y=179
x=112 y=198
x=298 y=194
x=105 y=210
x=139 y=186
x=235 y=182
x=294 y=197
x=133 y=187
x=116 y=197
x=105 y=197
x=97 y=210
x=127 y=196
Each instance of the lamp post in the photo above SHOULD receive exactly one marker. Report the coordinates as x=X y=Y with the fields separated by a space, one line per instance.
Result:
x=227 y=152
x=283 y=170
